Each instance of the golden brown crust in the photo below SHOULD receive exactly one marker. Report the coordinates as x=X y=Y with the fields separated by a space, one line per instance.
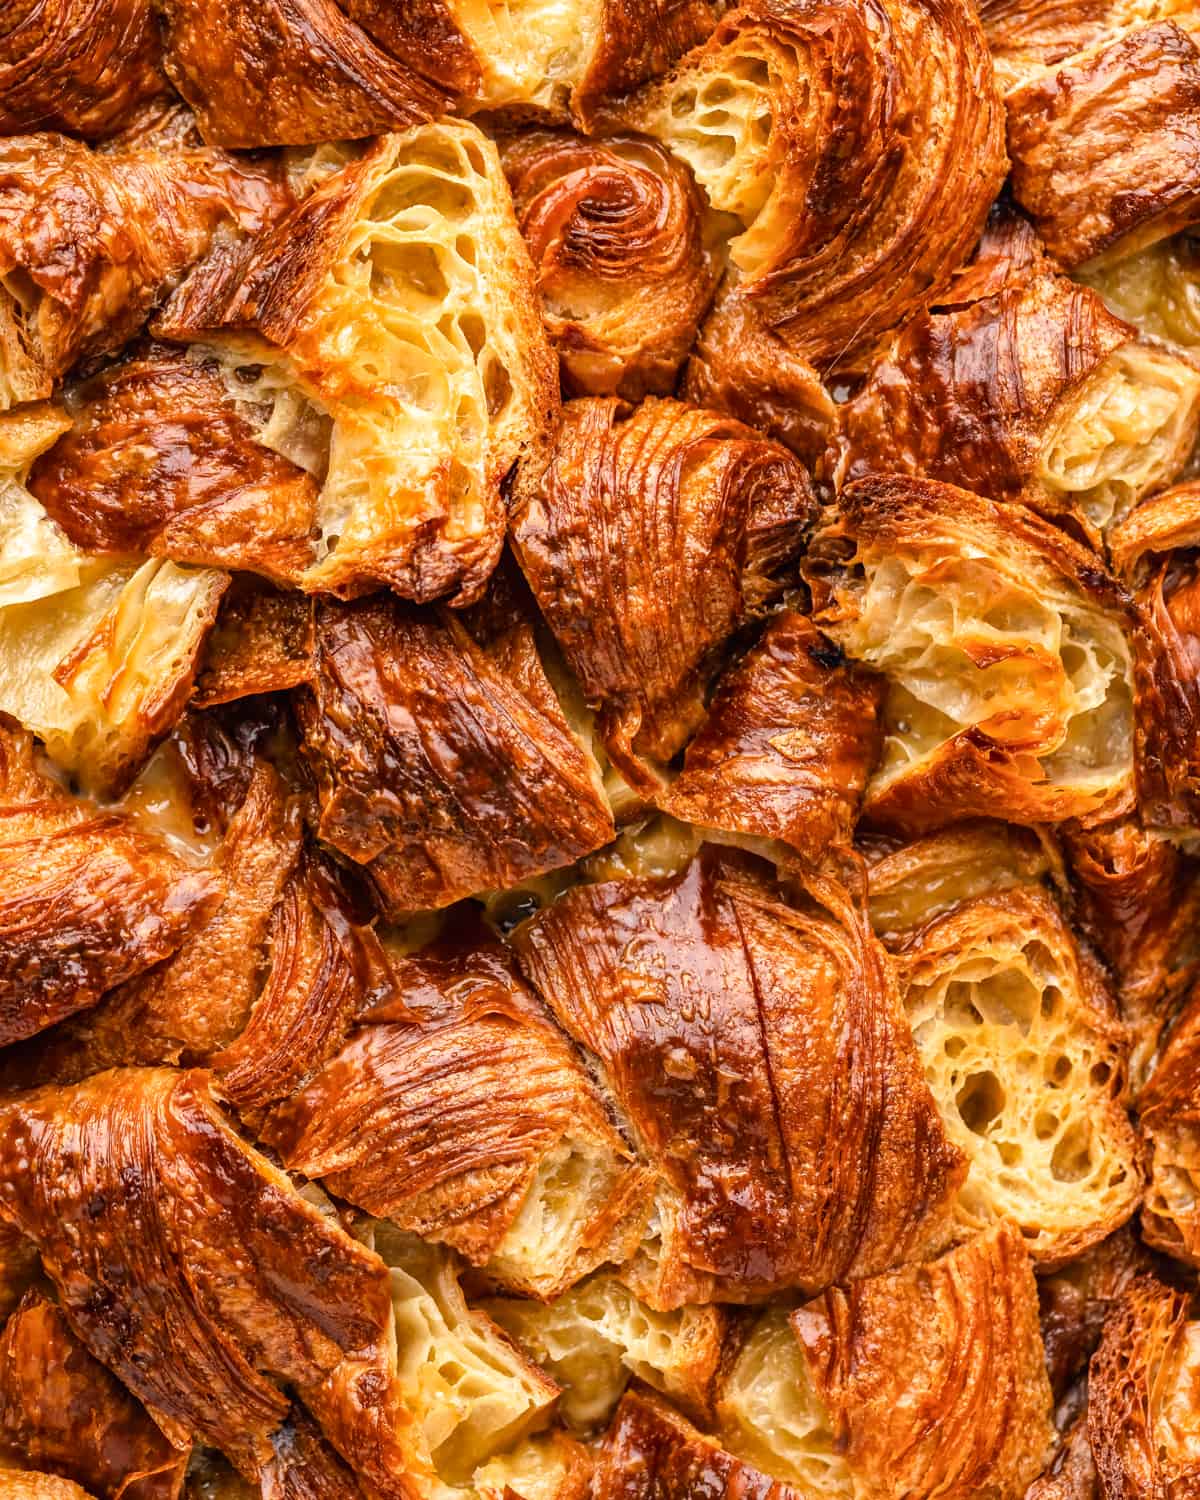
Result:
x=1169 y=1109
x=617 y=235
x=1102 y=183
x=63 y=1411
x=437 y=768
x=1071 y=1474
x=27 y=1484
x=195 y=1271
x=83 y=66
x=759 y=1053
x=933 y=1375
x=791 y=736
x=263 y=641
x=720 y=511
x=1026 y=36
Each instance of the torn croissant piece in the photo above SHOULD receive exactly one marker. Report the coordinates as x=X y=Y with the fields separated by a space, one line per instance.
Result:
x=443 y=768
x=1141 y=1395
x=1027 y=39
x=1169 y=1112
x=1027 y=1060
x=859 y=152
x=651 y=1452
x=289 y=72
x=28 y=1484
x=791 y=736
x=1156 y=289
x=933 y=1376
x=1075 y=1303
x=1101 y=183
x=88 y=899
x=597 y=1335
x=1138 y=903
x=533 y=1181
x=760 y=1054
x=719 y=512
x=1010 y=674
x=398 y=299
x=1034 y=393
x=62 y=1410
x=90 y=242
x=549 y=1466
x=616 y=231
x=83 y=66
x=195 y=1271
x=263 y=641
x=161 y=462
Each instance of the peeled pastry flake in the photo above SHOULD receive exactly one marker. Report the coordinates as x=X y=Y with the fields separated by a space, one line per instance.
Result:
x=597 y=1335
x=1025 y=1056
x=1099 y=181
x=26 y=1484
x=859 y=147
x=1004 y=643
x=616 y=231
x=719 y=513
x=83 y=66
x=759 y=1053
x=36 y=556
x=193 y=1268
x=934 y=1376
x=89 y=243
x=398 y=300
x=533 y=1182
x=442 y=767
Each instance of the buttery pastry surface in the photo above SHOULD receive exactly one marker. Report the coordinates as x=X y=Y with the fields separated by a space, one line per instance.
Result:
x=600 y=750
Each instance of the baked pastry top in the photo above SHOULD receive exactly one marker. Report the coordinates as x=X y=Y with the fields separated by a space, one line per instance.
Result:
x=599 y=750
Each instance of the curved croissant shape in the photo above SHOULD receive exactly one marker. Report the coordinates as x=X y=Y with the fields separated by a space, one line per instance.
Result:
x=1156 y=289
x=443 y=768
x=934 y=1376
x=83 y=66
x=594 y=1337
x=1141 y=1383
x=1027 y=38
x=194 y=1270
x=90 y=242
x=616 y=230
x=1026 y=1058
x=288 y=72
x=759 y=1053
x=1010 y=676
x=160 y=460
x=1034 y=393
x=1169 y=1109
x=791 y=736
x=399 y=299
x=719 y=511
x=859 y=148
x=1100 y=185
x=61 y=1409
x=533 y=1181
x=87 y=900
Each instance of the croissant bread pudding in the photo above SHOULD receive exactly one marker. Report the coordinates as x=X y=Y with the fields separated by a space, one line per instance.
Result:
x=599 y=750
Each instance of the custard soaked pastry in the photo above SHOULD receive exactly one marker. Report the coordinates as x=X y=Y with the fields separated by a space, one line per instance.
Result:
x=599 y=750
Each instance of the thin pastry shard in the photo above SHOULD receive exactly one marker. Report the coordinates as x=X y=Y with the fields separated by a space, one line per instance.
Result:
x=791 y=736
x=719 y=512
x=1032 y=393
x=288 y=72
x=1027 y=1061
x=82 y=66
x=597 y=1335
x=89 y=243
x=933 y=1375
x=859 y=148
x=88 y=900
x=440 y=770
x=192 y=1268
x=616 y=232
x=398 y=299
x=760 y=1055
x=62 y=1410
x=533 y=1181
x=1102 y=182
x=1004 y=643
x=161 y=462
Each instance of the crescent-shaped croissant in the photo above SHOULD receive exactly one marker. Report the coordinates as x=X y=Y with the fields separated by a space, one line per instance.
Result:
x=758 y=1051
x=617 y=233
x=397 y=299
x=1005 y=647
